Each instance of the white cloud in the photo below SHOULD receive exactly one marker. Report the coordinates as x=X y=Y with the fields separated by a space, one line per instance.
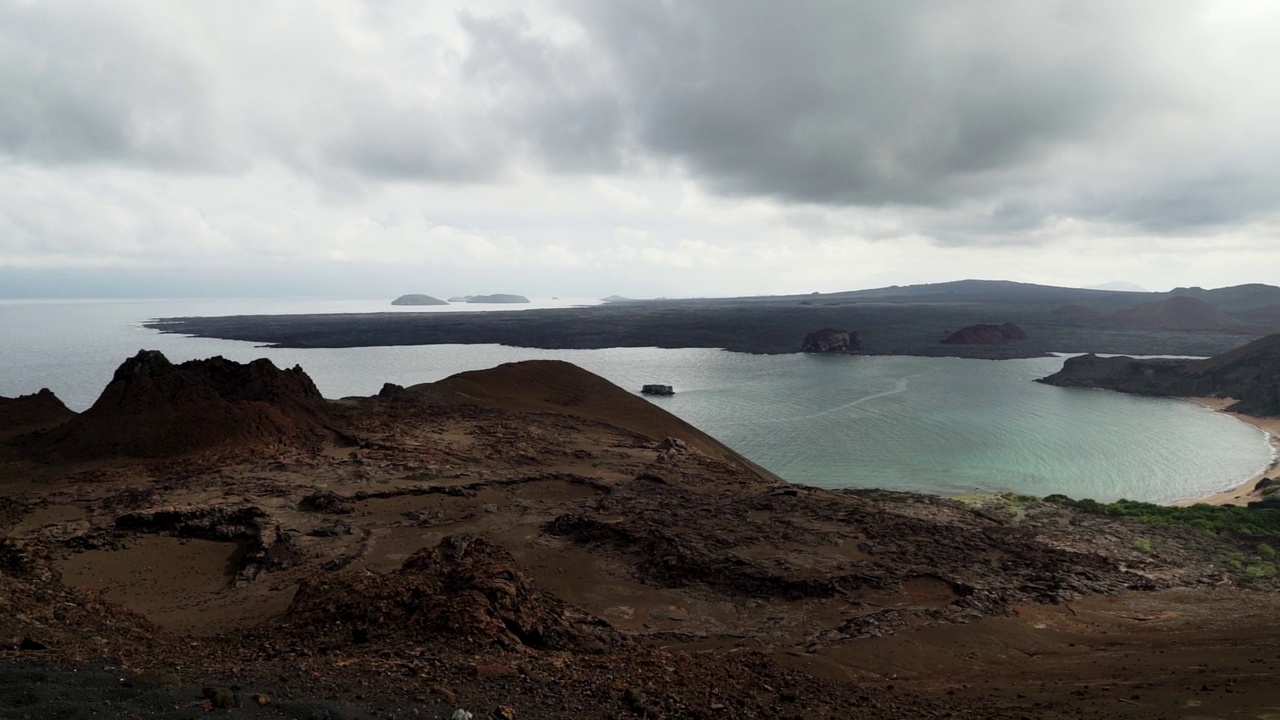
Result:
x=691 y=148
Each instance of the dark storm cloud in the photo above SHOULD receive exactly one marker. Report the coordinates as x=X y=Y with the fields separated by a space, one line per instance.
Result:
x=976 y=122
x=79 y=85
x=556 y=96
x=523 y=98
x=854 y=103
x=1188 y=206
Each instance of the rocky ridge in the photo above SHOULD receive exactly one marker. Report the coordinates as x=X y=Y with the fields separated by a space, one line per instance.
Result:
x=154 y=409
x=1249 y=374
x=27 y=412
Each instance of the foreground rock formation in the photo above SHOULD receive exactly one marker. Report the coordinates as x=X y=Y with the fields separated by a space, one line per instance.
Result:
x=531 y=541
x=28 y=412
x=153 y=409
x=1249 y=374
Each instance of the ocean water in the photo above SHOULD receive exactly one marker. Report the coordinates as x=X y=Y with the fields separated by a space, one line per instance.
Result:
x=937 y=425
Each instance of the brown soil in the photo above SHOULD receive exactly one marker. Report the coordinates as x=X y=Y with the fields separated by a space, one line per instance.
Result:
x=534 y=538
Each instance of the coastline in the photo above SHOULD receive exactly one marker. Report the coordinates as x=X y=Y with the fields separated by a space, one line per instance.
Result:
x=1247 y=491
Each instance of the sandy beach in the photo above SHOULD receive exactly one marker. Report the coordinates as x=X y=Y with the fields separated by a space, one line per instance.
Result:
x=1247 y=491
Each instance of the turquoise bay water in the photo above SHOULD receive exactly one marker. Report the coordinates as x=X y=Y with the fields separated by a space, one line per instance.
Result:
x=938 y=425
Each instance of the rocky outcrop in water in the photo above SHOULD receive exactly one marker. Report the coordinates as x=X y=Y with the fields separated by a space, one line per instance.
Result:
x=418 y=299
x=496 y=298
x=830 y=340
x=1250 y=374
x=981 y=334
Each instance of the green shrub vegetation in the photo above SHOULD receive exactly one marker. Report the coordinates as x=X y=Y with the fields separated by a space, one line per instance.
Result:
x=1260 y=518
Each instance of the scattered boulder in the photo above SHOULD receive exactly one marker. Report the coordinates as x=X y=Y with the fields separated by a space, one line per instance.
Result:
x=465 y=588
x=417 y=299
x=981 y=334
x=325 y=502
x=830 y=340
x=221 y=698
x=658 y=390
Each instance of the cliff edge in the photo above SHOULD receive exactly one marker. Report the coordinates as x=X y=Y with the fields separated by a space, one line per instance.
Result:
x=1249 y=374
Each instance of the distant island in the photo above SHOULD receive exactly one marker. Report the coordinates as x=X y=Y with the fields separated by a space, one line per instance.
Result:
x=418 y=299
x=888 y=321
x=496 y=298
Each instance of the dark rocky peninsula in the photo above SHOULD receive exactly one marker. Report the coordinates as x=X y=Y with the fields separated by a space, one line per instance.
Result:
x=889 y=321
x=418 y=299
x=1250 y=374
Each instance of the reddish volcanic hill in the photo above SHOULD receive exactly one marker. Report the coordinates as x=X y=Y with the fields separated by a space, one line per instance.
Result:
x=28 y=412
x=1176 y=313
x=153 y=409
x=561 y=387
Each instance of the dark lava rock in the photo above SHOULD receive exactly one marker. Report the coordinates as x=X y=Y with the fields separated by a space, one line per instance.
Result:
x=465 y=588
x=1077 y=312
x=1250 y=374
x=325 y=502
x=417 y=299
x=658 y=390
x=221 y=698
x=1175 y=313
x=154 y=409
x=31 y=411
x=981 y=334
x=830 y=340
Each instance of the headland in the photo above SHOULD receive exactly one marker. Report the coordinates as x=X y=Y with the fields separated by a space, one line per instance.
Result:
x=914 y=320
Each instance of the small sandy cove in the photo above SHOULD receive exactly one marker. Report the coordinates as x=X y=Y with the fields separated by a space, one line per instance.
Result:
x=1247 y=491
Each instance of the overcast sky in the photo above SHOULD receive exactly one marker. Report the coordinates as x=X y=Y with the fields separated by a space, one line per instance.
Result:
x=638 y=147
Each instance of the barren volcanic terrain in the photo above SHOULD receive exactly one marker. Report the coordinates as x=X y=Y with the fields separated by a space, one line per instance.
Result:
x=911 y=320
x=531 y=541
